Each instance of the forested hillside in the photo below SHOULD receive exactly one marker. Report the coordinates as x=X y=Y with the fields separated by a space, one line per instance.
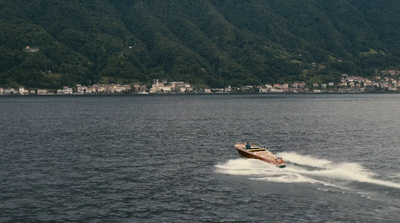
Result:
x=211 y=42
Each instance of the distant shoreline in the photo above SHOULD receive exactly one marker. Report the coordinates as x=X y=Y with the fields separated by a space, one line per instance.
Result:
x=180 y=94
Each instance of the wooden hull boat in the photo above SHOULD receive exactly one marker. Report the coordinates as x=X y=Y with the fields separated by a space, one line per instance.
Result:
x=257 y=151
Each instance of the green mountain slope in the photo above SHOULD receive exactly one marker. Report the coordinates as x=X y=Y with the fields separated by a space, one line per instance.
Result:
x=210 y=42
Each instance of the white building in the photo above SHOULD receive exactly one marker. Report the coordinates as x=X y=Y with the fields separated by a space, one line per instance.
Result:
x=262 y=90
x=159 y=87
x=80 y=89
x=65 y=90
x=31 y=49
x=42 y=91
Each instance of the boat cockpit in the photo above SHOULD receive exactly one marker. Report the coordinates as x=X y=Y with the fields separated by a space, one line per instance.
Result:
x=255 y=146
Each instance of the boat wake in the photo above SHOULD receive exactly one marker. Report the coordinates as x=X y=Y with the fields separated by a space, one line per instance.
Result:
x=306 y=169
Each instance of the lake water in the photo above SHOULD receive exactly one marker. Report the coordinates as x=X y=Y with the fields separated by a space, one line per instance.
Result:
x=171 y=158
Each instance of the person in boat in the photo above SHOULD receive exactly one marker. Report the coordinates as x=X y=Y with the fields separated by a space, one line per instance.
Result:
x=248 y=146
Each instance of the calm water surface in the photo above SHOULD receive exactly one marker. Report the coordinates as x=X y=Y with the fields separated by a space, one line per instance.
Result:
x=171 y=158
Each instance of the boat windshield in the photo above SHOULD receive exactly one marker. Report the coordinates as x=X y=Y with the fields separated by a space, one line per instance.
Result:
x=256 y=145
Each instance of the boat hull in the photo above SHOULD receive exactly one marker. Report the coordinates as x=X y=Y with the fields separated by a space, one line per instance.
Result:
x=260 y=154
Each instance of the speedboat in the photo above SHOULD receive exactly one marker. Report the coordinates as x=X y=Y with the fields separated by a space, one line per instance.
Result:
x=258 y=151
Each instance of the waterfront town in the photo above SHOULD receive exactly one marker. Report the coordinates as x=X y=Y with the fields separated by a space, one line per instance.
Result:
x=387 y=81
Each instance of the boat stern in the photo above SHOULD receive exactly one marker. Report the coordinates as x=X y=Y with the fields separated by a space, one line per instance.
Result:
x=281 y=165
x=280 y=162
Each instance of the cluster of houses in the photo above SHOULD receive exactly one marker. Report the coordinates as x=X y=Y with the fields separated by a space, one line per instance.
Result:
x=165 y=87
x=78 y=90
x=156 y=88
x=386 y=81
x=97 y=88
